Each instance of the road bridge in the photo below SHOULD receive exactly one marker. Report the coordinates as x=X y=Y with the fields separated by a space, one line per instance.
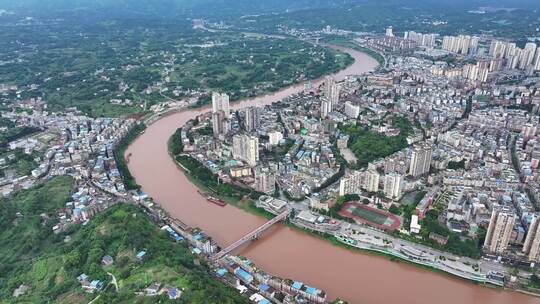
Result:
x=251 y=235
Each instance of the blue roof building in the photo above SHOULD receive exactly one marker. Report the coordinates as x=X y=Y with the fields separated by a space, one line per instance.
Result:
x=141 y=254
x=312 y=290
x=264 y=287
x=82 y=277
x=96 y=284
x=174 y=293
x=297 y=285
x=243 y=275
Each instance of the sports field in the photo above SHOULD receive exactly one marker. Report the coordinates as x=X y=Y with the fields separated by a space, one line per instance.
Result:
x=368 y=215
x=373 y=217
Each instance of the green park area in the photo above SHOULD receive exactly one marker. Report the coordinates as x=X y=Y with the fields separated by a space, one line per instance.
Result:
x=49 y=264
x=368 y=145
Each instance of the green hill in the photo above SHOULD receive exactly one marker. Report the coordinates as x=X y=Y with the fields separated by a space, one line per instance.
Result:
x=49 y=264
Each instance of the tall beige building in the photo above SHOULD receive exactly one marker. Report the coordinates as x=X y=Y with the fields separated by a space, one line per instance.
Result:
x=331 y=95
x=500 y=229
x=389 y=31
x=528 y=54
x=498 y=49
x=265 y=180
x=537 y=60
x=420 y=160
x=220 y=124
x=220 y=102
x=220 y=114
x=371 y=181
x=462 y=44
x=392 y=185
x=331 y=89
x=421 y=39
x=515 y=56
x=326 y=107
x=531 y=247
x=252 y=118
x=246 y=148
x=351 y=184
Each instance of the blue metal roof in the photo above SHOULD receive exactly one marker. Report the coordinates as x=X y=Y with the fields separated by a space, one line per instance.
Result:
x=242 y=274
x=297 y=285
x=264 y=287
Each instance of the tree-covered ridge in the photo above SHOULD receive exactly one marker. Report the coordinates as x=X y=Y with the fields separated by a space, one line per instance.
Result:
x=49 y=264
x=26 y=222
x=234 y=7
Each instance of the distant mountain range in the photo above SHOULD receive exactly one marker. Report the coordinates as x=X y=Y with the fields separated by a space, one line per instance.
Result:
x=229 y=7
x=168 y=7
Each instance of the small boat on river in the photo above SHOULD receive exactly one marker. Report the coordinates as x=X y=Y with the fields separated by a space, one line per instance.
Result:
x=212 y=199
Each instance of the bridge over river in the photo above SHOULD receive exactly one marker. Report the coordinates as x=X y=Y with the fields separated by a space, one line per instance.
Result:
x=255 y=234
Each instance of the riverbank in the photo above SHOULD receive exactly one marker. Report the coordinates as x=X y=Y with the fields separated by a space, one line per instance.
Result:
x=335 y=40
x=122 y=160
x=334 y=241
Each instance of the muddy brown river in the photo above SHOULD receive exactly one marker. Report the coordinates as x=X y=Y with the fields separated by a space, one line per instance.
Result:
x=355 y=277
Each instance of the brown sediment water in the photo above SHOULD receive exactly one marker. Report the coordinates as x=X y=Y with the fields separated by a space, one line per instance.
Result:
x=286 y=252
